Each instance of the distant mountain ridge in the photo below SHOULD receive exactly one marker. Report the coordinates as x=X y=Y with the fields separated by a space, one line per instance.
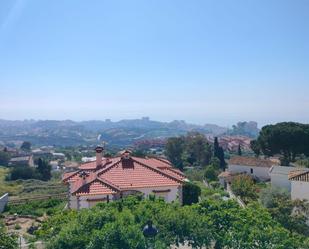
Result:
x=120 y=133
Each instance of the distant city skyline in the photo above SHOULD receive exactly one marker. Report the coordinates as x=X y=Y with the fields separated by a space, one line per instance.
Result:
x=200 y=61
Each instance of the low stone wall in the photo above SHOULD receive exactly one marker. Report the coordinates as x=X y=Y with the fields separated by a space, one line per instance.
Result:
x=3 y=201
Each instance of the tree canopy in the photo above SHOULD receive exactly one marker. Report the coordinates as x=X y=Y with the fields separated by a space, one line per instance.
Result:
x=288 y=139
x=26 y=146
x=42 y=172
x=193 y=149
x=4 y=158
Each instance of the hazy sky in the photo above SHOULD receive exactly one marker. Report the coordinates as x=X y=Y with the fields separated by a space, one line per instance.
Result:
x=218 y=61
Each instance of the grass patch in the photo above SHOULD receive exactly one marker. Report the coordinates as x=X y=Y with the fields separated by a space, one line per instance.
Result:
x=207 y=193
x=37 y=208
x=28 y=188
x=13 y=188
x=195 y=174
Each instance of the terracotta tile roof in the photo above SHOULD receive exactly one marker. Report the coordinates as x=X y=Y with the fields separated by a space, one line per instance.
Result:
x=92 y=184
x=96 y=187
x=251 y=161
x=137 y=175
x=123 y=174
x=228 y=174
x=299 y=175
x=154 y=162
x=93 y=166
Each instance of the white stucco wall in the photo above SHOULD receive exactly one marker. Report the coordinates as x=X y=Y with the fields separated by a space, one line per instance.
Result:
x=299 y=190
x=4 y=199
x=260 y=172
x=82 y=201
x=279 y=176
x=168 y=196
x=72 y=202
x=280 y=181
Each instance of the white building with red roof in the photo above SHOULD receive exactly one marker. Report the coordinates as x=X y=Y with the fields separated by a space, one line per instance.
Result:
x=108 y=179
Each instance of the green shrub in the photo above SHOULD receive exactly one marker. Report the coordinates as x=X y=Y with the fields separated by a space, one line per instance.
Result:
x=211 y=173
x=191 y=193
x=17 y=227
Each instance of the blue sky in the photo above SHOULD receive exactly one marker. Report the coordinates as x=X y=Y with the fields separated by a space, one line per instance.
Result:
x=201 y=61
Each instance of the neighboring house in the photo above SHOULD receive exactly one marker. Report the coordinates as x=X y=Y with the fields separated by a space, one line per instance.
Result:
x=108 y=179
x=39 y=152
x=22 y=161
x=54 y=165
x=60 y=156
x=256 y=167
x=69 y=166
x=88 y=159
x=279 y=176
x=299 y=184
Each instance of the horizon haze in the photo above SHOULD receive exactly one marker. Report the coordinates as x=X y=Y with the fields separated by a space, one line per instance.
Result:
x=198 y=61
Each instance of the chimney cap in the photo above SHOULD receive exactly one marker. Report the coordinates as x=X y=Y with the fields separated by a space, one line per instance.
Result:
x=99 y=149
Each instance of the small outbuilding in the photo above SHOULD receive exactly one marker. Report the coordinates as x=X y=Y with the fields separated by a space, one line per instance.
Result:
x=299 y=184
x=258 y=168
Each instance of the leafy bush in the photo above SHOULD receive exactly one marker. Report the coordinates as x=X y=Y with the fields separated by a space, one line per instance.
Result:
x=195 y=174
x=17 y=227
x=211 y=174
x=191 y=193
x=215 y=184
x=291 y=214
x=244 y=186
x=7 y=241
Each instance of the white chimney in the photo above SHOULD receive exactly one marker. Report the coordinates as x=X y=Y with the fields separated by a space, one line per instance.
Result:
x=99 y=155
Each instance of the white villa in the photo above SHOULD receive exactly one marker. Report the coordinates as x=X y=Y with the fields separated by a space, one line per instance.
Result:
x=257 y=168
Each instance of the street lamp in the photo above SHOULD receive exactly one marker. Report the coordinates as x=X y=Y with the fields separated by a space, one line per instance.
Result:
x=150 y=232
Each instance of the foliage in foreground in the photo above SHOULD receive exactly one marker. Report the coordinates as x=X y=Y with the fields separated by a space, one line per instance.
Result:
x=208 y=223
x=291 y=214
x=7 y=241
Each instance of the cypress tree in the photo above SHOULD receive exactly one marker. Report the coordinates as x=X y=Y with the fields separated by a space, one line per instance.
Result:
x=239 y=150
x=216 y=147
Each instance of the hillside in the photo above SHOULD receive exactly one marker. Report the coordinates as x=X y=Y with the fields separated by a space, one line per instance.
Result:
x=120 y=133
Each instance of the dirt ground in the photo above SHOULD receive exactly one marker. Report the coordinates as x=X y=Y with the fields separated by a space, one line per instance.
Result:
x=20 y=225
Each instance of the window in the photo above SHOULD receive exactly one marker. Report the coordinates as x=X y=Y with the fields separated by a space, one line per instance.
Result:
x=251 y=171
